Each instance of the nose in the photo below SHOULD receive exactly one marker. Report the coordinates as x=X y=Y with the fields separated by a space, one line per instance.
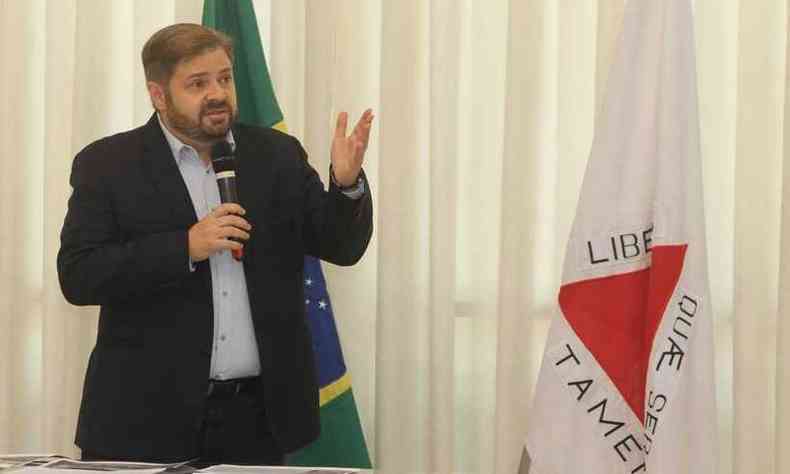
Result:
x=216 y=92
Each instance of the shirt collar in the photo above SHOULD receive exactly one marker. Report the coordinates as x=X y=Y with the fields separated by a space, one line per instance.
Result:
x=178 y=148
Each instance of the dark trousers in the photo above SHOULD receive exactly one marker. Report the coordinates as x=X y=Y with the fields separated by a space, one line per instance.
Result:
x=234 y=431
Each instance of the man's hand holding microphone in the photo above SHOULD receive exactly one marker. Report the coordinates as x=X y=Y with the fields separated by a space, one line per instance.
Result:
x=214 y=232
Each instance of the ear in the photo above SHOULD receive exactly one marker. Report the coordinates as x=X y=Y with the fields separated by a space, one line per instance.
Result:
x=157 y=93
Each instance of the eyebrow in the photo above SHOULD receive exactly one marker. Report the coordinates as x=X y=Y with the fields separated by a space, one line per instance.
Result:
x=204 y=74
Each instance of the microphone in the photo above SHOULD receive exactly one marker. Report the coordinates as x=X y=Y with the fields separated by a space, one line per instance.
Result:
x=224 y=162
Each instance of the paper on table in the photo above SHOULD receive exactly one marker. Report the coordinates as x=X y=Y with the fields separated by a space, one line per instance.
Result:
x=107 y=466
x=69 y=466
x=233 y=469
x=91 y=470
x=8 y=461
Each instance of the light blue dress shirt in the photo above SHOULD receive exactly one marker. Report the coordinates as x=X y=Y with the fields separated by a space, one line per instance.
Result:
x=235 y=350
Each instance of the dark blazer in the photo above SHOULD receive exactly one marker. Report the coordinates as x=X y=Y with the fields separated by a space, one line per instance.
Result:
x=124 y=247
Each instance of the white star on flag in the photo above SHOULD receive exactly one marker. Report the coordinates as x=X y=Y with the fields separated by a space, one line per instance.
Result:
x=322 y=304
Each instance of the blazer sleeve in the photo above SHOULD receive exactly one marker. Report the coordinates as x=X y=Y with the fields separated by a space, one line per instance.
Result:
x=96 y=264
x=337 y=228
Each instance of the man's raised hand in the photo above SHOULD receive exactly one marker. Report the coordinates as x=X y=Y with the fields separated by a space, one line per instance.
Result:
x=348 y=152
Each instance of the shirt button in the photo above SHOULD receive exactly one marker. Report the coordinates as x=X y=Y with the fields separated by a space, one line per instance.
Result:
x=222 y=337
x=224 y=293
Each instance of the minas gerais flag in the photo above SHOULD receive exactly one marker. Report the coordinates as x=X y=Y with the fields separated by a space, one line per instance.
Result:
x=626 y=384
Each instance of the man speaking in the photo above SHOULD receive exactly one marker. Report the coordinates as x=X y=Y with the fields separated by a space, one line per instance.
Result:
x=203 y=349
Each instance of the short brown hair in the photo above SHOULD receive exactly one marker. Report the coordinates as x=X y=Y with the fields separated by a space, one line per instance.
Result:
x=180 y=42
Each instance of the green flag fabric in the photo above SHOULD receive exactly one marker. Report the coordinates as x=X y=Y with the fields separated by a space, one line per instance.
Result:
x=257 y=102
x=342 y=441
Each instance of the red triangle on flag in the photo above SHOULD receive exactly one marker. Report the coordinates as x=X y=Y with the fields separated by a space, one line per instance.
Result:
x=617 y=316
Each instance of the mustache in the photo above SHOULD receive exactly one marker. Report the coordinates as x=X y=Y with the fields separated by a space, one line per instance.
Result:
x=215 y=106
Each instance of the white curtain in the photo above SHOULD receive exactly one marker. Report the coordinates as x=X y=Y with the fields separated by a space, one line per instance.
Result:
x=485 y=115
x=70 y=74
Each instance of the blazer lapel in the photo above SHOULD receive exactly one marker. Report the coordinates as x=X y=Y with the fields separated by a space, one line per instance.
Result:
x=244 y=153
x=163 y=172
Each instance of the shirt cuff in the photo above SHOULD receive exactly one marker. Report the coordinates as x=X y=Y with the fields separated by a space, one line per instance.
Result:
x=355 y=192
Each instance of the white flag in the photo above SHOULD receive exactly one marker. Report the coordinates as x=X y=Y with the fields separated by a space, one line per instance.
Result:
x=626 y=384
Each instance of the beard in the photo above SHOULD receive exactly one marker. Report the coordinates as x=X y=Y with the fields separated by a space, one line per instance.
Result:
x=206 y=128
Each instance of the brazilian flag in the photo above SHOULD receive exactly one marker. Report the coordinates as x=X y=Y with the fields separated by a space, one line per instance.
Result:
x=342 y=442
